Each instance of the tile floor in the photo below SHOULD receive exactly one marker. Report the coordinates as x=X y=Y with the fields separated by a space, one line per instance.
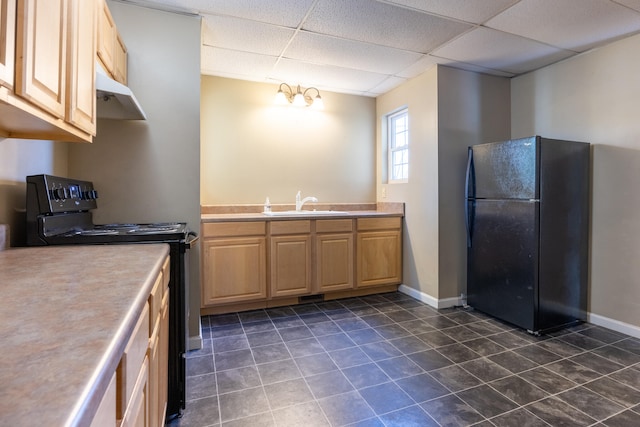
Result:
x=389 y=360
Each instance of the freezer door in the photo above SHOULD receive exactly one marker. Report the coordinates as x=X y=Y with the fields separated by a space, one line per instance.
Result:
x=502 y=262
x=504 y=170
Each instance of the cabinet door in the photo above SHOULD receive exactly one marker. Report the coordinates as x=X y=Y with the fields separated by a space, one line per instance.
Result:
x=334 y=258
x=120 y=61
x=41 y=49
x=7 y=41
x=81 y=105
x=137 y=414
x=106 y=37
x=379 y=258
x=290 y=265
x=234 y=270
x=163 y=360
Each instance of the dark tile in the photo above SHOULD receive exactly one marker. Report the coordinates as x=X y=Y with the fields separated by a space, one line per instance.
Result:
x=351 y=324
x=392 y=331
x=508 y=340
x=386 y=307
x=304 y=347
x=237 y=379
x=417 y=327
x=400 y=315
x=328 y=384
x=288 y=393
x=596 y=363
x=233 y=359
x=513 y=362
x=613 y=390
x=602 y=334
x=271 y=353
x=422 y=387
x=234 y=405
x=624 y=419
x=201 y=386
x=547 y=380
x=458 y=353
x=590 y=403
x=199 y=365
x=450 y=411
x=371 y=422
x=380 y=350
x=461 y=333
x=315 y=364
x=462 y=317
x=537 y=354
x=484 y=346
x=346 y=408
x=202 y=412
x=364 y=310
x=343 y=313
x=485 y=369
x=306 y=309
x=287 y=322
x=430 y=360
x=377 y=320
x=410 y=344
x=259 y=326
x=422 y=312
x=455 y=378
x=278 y=371
x=558 y=413
x=259 y=420
x=629 y=344
x=560 y=348
x=581 y=341
x=348 y=357
x=617 y=355
x=226 y=330
x=408 y=417
x=573 y=371
x=253 y=316
x=399 y=367
x=519 y=390
x=309 y=319
x=335 y=342
x=295 y=333
x=486 y=401
x=436 y=339
x=484 y=328
x=305 y=414
x=365 y=375
x=263 y=338
x=278 y=312
x=519 y=417
x=629 y=376
x=323 y=328
x=385 y=397
x=440 y=322
x=330 y=306
x=234 y=342
x=364 y=336
x=223 y=320
x=206 y=350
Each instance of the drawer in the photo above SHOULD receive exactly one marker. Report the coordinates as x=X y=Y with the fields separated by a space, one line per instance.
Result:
x=155 y=300
x=290 y=227
x=385 y=223
x=132 y=359
x=334 y=225
x=166 y=274
x=223 y=229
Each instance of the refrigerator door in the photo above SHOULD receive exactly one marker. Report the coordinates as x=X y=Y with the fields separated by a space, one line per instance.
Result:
x=502 y=265
x=504 y=170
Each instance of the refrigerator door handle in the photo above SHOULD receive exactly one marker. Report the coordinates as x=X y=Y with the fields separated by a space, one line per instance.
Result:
x=466 y=196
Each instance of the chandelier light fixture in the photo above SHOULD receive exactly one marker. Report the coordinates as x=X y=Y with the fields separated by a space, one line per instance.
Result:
x=299 y=98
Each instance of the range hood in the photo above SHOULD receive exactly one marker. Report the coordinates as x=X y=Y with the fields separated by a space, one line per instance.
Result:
x=115 y=100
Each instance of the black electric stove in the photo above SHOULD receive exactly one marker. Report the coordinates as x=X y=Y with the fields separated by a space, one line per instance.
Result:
x=59 y=213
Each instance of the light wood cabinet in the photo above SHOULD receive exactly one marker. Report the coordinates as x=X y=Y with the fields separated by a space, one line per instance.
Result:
x=47 y=88
x=105 y=415
x=334 y=264
x=234 y=262
x=379 y=251
x=112 y=52
x=290 y=258
x=7 y=42
x=159 y=348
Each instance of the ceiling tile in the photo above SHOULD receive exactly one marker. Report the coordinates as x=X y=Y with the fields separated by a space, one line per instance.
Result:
x=248 y=36
x=381 y=23
x=578 y=25
x=633 y=4
x=390 y=83
x=476 y=11
x=326 y=77
x=507 y=52
x=320 y=49
x=215 y=61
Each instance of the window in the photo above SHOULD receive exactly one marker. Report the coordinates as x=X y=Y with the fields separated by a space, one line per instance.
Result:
x=398 y=143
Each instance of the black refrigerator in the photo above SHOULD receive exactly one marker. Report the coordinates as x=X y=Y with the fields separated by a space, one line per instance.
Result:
x=527 y=220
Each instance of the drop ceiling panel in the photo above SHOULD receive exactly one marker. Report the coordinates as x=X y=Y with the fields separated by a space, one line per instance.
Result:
x=320 y=49
x=633 y=4
x=502 y=51
x=476 y=11
x=384 y=87
x=247 y=36
x=577 y=25
x=381 y=23
x=227 y=62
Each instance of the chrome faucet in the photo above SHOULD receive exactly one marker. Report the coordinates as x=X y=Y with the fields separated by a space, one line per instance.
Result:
x=300 y=202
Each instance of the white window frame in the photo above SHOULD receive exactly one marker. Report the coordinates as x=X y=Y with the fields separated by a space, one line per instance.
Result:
x=393 y=149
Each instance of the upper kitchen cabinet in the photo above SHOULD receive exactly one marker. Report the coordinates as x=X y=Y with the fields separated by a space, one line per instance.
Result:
x=7 y=42
x=53 y=95
x=112 y=52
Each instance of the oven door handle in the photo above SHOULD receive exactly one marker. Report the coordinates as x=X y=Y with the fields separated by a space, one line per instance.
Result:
x=192 y=238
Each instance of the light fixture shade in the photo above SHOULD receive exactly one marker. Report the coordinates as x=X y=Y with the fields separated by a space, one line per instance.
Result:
x=318 y=104
x=298 y=100
x=281 y=98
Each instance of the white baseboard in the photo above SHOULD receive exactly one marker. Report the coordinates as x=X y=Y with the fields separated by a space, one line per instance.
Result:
x=596 y=319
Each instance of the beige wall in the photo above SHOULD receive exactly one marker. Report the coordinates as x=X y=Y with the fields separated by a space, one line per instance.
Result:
x=449 y=110
x=595 y=98
x=149 y=171
x=251 y=148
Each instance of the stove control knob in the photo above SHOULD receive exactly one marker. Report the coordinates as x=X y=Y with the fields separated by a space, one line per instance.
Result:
x=90 y=194
x=60 y=193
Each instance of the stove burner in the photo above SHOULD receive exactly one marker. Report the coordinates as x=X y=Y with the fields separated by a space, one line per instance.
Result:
x=98 y=232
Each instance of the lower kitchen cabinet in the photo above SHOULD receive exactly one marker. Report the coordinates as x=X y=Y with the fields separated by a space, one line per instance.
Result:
x=334 y=255
x=234 y=265
x=379 y=249
x=290 y=256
